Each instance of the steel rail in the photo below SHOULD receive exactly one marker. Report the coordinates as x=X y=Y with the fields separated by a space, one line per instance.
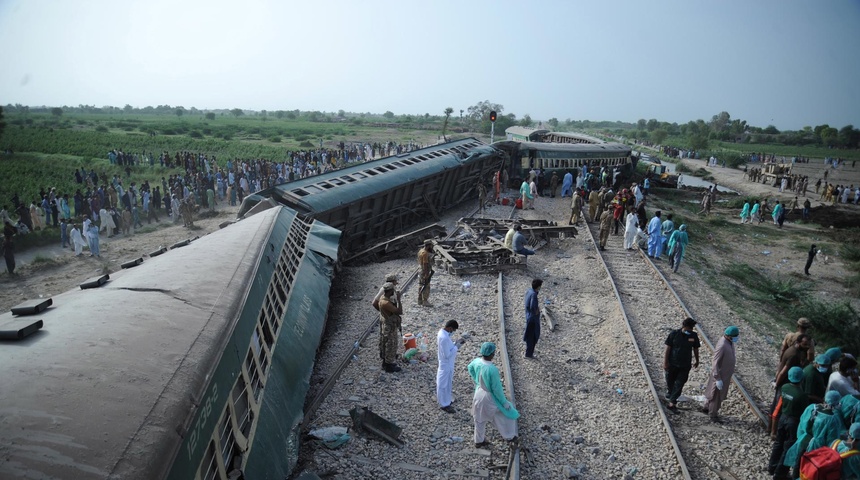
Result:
x=682 y=464
x=512 y=472
x=765 y=419
x=513 y=469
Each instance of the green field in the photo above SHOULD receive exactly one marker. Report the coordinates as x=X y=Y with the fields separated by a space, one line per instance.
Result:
x=47 y=148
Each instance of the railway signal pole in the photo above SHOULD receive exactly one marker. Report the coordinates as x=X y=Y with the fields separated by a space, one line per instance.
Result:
x=492 y=125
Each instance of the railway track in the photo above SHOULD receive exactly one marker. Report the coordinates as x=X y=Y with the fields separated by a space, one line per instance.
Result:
x=586 y=407
x=651 y=308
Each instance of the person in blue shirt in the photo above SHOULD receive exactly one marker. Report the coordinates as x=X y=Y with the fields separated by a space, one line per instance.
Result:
x=518 y=243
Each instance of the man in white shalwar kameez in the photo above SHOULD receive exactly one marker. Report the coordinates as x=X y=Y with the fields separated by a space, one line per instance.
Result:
x=490 y=403
x=630 y=227
x=107 y=222
x=77 y=240
x=447 y=353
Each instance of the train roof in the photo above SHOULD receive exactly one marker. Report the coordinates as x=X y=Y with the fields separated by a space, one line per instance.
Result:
x=105 y=388
x=577 y=147
x=578 y=136
x=525 y=131
x=320 y=193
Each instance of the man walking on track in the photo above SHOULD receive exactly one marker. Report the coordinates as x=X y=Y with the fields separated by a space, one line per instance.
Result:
x=681 y=346
x=490 y=403
x=722 y=369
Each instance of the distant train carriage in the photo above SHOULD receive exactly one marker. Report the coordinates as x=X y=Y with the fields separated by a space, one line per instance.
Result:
x=524 y=134
x=381 y=198
x=193 y=365
x=565 y=157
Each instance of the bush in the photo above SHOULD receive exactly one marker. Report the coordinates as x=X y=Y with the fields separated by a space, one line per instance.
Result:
x=306 y=144
x=836 y=324
x=101 y=128
x=195 y=134
x=275 y=139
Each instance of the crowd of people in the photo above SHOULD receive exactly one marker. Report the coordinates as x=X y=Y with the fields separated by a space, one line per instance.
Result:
x=118 y=207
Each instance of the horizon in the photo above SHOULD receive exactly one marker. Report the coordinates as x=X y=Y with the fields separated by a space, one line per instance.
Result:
x=667 y=60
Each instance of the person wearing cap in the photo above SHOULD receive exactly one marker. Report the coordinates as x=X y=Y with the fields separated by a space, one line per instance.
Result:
x=390 y=310
x=681 y=346
x=793 y=402
x=391 y=277
x=819 y=426
x=849 y=409
x=490 y=403
x=803 y=326
x=815 y=377
x=606 y=220
x=655 y=239
x=395 y=299
x=677 y=246
x=722 y=369
x=834 y=354
x=850 y=464
x=425 y=263
x=446 y=350
x=531 y=335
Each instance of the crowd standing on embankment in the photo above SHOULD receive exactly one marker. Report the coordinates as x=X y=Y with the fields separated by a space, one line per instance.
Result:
x=118 y=206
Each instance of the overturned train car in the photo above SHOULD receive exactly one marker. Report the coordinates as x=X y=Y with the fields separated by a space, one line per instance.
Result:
x=383 y=198
x=193 y=365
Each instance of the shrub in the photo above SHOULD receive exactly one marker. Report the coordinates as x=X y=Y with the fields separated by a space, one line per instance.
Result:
x=101 y=128
x=306 y=144
x=195 y=134
x=275 y=139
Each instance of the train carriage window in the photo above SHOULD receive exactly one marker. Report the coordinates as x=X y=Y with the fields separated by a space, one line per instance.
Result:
x=371 y=173
x=267 y=336
x=326 y=185
x=299 y=192
x=347 y=178
x=209 y=466
x=241 y=406
x=313 y=189
x=253 y=376
x=359 y=175
x=337 y=181
x=227 y=441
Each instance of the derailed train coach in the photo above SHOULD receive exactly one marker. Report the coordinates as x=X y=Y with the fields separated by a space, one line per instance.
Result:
x=383 y=198
x=193 y=365
x=561 y=152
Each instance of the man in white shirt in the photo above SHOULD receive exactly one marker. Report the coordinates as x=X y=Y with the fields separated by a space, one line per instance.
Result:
x=447 y=354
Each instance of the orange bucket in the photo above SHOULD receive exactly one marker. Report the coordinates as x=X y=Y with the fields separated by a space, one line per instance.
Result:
x=409 y=341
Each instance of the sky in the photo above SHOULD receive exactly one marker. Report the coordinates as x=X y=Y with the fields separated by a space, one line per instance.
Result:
x=786 y=63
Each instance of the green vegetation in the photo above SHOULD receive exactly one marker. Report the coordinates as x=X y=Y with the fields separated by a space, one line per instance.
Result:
x=836 y=323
